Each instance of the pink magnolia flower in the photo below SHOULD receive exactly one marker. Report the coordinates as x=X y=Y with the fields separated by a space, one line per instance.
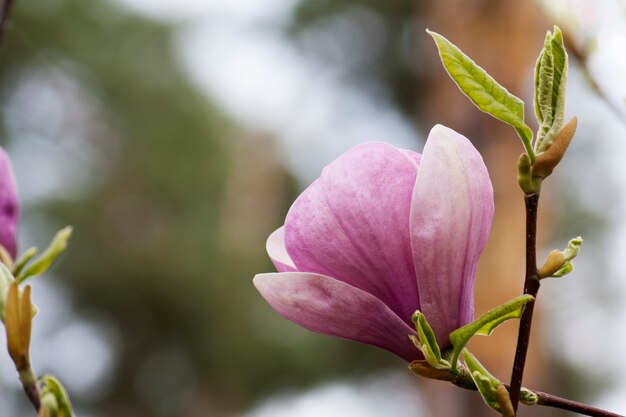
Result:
x=9 y=205
x=384 y=232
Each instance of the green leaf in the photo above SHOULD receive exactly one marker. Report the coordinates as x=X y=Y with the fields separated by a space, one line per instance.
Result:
x=57 y=398
x=484 y=325
x=573 y=246
x=26 y=257
x=564 y=270
x=486 y=383
x=483 y=90
x=487 y=392
x=550 y=89
x=6 y=278
x=47 y=258
x=544 y=71
x=428 y=341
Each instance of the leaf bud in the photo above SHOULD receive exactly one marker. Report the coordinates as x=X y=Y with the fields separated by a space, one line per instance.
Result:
x=546 y=161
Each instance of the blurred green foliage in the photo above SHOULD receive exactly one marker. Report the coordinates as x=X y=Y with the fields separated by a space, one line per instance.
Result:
x=153 y=249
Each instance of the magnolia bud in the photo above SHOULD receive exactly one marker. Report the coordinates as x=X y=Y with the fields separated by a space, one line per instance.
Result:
x=553 y=263
x=548 y=160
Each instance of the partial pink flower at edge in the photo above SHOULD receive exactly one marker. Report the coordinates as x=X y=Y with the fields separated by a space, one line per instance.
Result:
x=384 y=232
x=9 y=205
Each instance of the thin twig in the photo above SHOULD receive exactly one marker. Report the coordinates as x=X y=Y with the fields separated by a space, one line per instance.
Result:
x=549 y=400
x=531 y=286
x=30 y=385
x=32 y=393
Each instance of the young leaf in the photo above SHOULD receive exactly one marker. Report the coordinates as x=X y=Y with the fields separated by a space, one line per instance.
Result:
x=573 y=246
x=486 y=383
x=428 y=341
x=5 y=282
x=52 y=387
x=550 y=86
x=21 y=263
x=48 y=405
x=565 y=269
x=484 y=325
x=544 y=74
x=47 y=258
x=483 y=90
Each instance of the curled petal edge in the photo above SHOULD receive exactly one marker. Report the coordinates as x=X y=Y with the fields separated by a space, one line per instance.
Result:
x=277 y=252
x=325 y=305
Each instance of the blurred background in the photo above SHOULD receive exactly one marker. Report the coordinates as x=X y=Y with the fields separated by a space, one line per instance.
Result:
x=173 y=136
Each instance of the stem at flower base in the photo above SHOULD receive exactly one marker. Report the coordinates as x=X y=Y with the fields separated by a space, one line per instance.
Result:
x=531 y=286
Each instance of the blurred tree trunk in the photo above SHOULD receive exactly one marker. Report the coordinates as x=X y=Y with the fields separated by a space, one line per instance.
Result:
x=504 y=37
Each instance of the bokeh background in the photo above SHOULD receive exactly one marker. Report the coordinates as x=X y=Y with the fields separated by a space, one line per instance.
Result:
x=174 y=135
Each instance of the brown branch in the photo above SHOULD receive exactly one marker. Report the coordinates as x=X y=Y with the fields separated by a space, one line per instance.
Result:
x=544 y=399
x=30 y=386
x=32 y=393
x=549 y=400
x=531 y=286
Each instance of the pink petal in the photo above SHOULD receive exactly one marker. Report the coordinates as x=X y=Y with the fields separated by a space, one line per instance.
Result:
x=9 y=205
x=450 y=220
x=353 y=224
x=275 y=247
x=331 y=307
